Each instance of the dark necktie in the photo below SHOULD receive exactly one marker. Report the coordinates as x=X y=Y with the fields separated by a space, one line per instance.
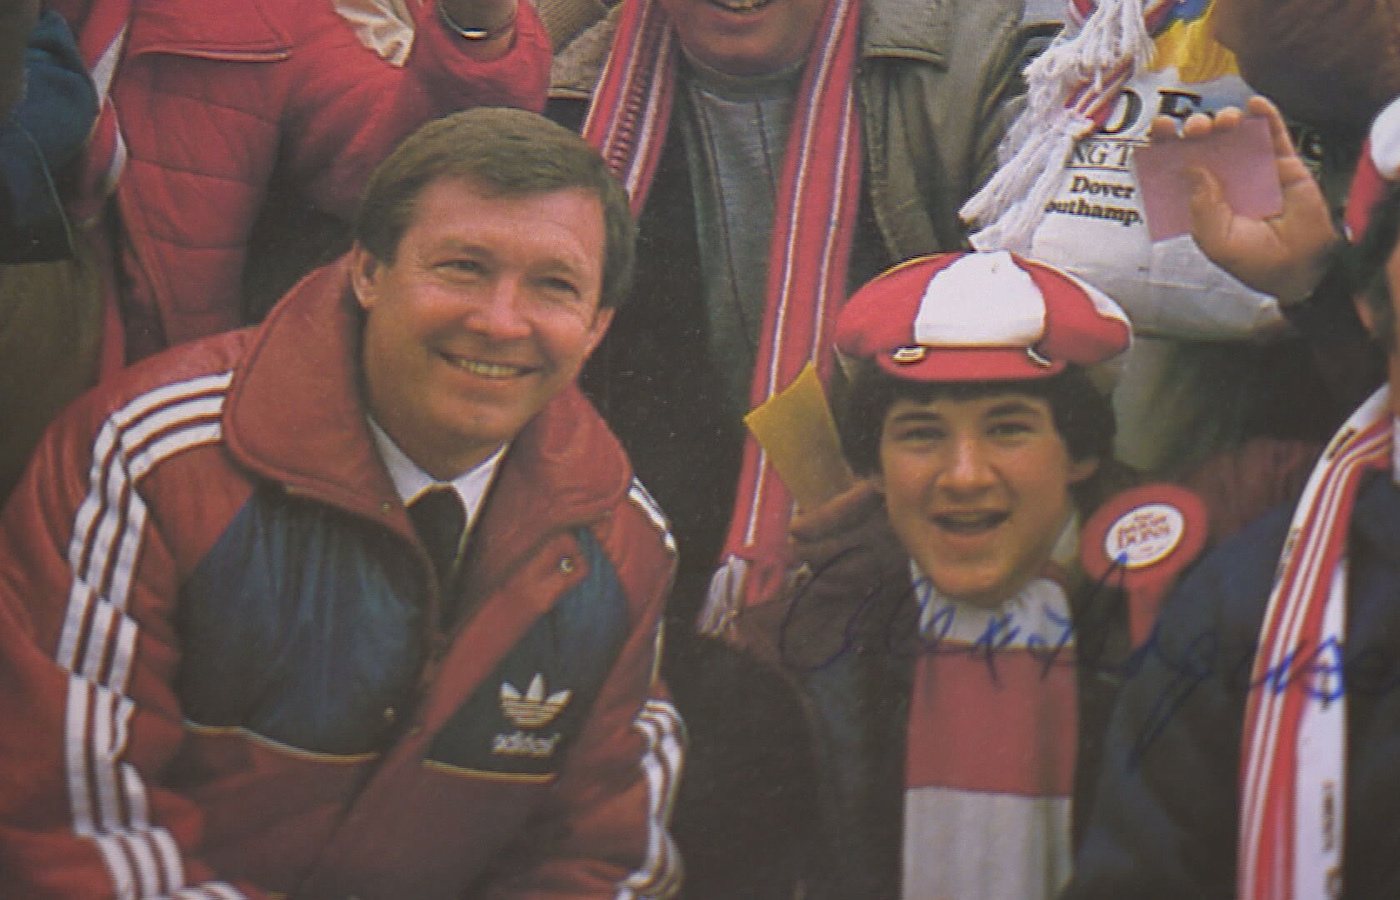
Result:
x=438 y=516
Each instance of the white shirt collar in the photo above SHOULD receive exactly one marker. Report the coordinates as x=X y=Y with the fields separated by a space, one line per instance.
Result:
x=410 y=480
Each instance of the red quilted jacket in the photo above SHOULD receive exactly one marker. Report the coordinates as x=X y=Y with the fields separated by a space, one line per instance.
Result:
x=214 y=98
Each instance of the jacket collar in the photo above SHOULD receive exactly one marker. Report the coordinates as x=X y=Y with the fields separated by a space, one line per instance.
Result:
x=295 y=416
x=912 y=29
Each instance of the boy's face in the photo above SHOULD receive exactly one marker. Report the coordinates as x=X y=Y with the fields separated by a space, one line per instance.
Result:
x=977 y=490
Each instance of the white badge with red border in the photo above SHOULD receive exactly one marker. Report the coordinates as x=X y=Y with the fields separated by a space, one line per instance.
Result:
x=1141 y=540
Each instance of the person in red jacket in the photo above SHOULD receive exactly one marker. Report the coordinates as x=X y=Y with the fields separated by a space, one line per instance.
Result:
x=364 y=601
x=274 y=109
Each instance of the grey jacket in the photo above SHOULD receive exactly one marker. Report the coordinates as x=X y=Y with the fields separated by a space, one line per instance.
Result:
x=939 y=82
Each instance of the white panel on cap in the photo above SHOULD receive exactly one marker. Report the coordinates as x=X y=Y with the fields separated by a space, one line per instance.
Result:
x=982 y=300
x=1103 y=304
x=1385 y=141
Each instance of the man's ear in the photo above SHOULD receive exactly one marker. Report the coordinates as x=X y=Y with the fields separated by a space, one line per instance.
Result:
x=1360 y=301
x=364 y=275
x=602 y=318
x=1080 y=469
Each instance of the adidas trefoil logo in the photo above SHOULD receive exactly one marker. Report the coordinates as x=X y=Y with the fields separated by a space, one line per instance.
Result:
x=534 y=710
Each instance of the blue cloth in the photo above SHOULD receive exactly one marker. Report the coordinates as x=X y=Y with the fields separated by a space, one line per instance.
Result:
x=45 y=132
x=1165 y=816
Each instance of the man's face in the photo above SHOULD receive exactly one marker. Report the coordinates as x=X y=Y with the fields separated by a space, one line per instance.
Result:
x=488 y=310
x=746 y=37
x=977 y=490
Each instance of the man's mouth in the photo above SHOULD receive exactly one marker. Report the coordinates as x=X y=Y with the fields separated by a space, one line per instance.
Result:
x=484 y=369
x=970 y=522
x=741 y=6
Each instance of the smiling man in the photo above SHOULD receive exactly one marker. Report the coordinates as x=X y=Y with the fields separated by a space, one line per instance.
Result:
x=365 y=601
x=957 y=659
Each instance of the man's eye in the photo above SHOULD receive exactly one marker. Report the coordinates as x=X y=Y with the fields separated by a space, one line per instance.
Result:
x=562 y=286
x=462 y=266
x=920 y=434
x=1009 y=429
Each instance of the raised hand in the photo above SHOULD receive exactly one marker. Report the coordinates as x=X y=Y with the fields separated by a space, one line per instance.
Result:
x=1284 y=255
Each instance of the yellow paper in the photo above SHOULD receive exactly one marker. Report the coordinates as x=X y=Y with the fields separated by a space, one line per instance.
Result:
x=797 y=430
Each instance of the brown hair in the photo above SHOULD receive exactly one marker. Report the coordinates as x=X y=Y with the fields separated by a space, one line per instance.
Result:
x=1082 y=414
x=500 y=151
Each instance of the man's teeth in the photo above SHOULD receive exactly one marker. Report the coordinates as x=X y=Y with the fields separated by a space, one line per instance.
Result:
x=741 y=5
x=486 y=369
x=970 y=522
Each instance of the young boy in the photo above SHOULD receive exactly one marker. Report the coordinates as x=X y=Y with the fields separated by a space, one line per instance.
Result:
x=955 y=659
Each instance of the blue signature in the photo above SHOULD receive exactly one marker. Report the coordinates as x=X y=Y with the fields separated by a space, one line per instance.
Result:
x=822 y=624
x=884 y=617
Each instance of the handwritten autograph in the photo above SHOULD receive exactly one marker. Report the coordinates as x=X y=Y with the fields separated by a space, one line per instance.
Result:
x=824 y=622
x=822 y=625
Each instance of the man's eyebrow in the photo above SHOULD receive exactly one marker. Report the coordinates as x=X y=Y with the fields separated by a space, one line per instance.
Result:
x=918 y=413
x=564 y=264
x=1012 y=406
x=457 y=245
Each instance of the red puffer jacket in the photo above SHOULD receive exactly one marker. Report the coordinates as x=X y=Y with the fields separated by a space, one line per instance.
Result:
x=247 y=682
x=213 y=98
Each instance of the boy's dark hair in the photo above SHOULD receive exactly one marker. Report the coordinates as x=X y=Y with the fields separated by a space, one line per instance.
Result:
x=501 y=152
x=1366 y=265
x=1082 y=414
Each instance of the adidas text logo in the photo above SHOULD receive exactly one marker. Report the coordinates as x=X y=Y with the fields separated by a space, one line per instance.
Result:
x=522 y=744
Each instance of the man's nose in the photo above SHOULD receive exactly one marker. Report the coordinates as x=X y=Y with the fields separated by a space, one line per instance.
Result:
x=968 y=468
x=499 y=311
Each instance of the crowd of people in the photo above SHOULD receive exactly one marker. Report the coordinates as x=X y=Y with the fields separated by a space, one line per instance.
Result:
x=381 y=520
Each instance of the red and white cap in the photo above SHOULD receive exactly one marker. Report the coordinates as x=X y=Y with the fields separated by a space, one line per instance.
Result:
x=1378 y=167
x=972 y=316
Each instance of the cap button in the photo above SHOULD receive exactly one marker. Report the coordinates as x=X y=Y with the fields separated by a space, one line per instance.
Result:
x=1036 y=358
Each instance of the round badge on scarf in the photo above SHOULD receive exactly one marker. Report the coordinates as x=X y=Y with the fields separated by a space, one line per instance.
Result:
x=1148 y=533
x=1144 y=535
x=1140 y=541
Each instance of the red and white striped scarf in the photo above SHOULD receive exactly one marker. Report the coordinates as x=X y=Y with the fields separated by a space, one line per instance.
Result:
x=1071 y=89
x=813 y=227
x=101 y=28
x=992 y=740
x=1293 y=761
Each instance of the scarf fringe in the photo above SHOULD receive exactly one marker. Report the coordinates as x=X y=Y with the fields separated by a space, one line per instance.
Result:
x=1069 y=85
x=1023 y=187
x=725 y=597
